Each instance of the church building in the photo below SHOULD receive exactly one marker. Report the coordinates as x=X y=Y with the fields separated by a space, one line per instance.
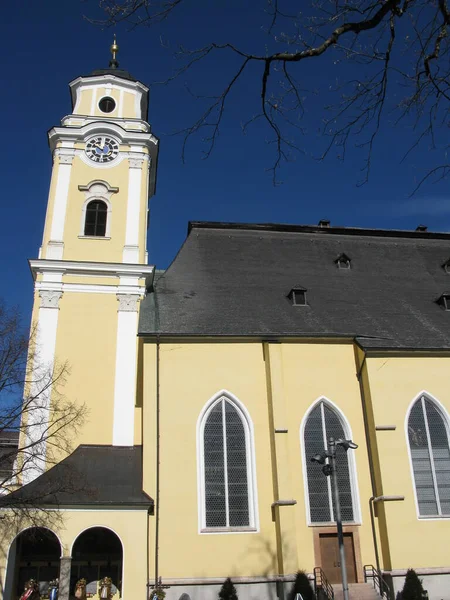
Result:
x=210 y=386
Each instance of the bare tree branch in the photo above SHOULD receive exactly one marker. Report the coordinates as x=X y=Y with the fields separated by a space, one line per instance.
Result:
x=34 y=434
x=408 y=37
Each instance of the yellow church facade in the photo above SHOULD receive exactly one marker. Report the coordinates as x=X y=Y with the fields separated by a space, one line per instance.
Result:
x=210 y=386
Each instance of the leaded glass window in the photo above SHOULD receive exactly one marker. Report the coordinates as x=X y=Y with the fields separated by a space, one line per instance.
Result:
x=430 y=455
x=226 y=467
x=322 y=423
x=96 y=215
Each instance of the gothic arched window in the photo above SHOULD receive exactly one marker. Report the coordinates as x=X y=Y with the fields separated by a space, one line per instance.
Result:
x=227 y=493
x=323 y=422
x=430 y=456
x=96 y=215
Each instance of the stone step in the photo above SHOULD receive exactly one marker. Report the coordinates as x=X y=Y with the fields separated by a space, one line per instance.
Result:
x=356 y=591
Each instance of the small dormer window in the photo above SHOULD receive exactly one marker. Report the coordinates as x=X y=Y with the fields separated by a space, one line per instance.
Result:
x=297 y=296
x=446 y=266
x=342 y=261
x=444 y=301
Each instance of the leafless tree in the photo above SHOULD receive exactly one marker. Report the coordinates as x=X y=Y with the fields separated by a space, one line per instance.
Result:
x=37 y=423
x=390 y=57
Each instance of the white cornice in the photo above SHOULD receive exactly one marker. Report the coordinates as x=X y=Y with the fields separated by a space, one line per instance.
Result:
x=79 y=134
x=75 y=120
x=93 y=80
x=68 y=267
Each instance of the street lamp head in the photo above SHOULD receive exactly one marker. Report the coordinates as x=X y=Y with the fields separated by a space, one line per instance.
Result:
x=327 y=470
x=346 y=444
x=319 y=458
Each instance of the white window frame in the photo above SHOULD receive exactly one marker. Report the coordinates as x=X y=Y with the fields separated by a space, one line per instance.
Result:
x=357 y=519
x=445 y=416
x=97 y=190
x=253 y=526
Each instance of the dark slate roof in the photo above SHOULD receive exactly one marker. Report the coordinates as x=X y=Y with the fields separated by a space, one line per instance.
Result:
x=233 y=280
x=90 y=476
x=116 y=72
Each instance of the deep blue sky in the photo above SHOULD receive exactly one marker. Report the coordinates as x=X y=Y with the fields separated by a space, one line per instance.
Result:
x=46 y=44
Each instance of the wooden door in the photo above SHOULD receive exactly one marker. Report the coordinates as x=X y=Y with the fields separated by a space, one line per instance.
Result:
x=329 y=555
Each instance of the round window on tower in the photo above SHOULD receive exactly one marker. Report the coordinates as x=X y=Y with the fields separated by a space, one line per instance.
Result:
x=107 y=104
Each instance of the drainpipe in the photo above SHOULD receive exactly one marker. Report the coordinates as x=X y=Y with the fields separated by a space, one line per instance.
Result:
x=157 y=464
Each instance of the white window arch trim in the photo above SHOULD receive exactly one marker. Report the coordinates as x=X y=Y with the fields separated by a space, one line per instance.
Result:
x=97 y=190
x=251 y=466
x=446 y=418
x=353 y=471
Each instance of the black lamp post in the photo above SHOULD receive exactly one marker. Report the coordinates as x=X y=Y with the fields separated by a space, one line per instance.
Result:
x=329 y=468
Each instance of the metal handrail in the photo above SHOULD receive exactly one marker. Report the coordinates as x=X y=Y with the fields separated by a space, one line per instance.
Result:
x=378 y=582
x=322 y=586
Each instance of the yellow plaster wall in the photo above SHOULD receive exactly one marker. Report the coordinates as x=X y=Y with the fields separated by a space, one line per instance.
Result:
x=394 y=383
x=128 y=110
x=101 y=249
x=130 y=527
x=190 y=374
x=312 y=371
x=86 y=339
x=84 y=103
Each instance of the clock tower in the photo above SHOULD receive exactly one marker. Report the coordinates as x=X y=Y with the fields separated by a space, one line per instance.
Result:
x=92 y=268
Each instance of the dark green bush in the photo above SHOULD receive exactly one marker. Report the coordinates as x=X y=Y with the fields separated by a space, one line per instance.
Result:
x=302 y=586
x=412 y=589
x=228 y=591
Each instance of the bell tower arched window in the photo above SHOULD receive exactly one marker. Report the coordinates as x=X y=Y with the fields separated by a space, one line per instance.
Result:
x=428 y=438
x=323 y=422
x=226 y=467
x=96 y=216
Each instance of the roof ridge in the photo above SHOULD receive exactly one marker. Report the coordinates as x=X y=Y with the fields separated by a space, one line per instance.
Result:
x=331 y=230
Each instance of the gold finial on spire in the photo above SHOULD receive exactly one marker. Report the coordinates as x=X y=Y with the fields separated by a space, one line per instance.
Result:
x=114 y=50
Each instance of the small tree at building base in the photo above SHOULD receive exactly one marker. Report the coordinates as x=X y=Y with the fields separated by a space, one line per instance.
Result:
x=412 y=588
x=302 y=586
x=228 y=591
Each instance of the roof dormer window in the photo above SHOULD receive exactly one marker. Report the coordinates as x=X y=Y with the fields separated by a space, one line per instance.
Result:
x=446 y=266
x=444 y=301
x=342 y=261
x=297 y=296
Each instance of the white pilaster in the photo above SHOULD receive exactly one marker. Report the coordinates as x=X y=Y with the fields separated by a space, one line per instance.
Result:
x=38 y=407
x=125 y=377
x=131 y=247
x=56 y=246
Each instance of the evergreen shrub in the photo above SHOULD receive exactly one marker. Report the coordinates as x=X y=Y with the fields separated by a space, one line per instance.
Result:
x=228 y=591
x=302 y=586
x=412 y=588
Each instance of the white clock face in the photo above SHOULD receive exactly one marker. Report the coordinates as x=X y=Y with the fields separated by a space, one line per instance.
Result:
x=102 y=149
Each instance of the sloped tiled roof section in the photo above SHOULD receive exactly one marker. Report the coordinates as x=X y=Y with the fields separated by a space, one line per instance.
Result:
x=108 y=476
x=233 y=279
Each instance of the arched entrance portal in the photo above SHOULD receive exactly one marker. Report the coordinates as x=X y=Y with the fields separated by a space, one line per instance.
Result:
x=97 y=553
x=34 y=554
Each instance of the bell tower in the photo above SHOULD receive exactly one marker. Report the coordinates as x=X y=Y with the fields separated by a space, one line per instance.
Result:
x=92 y=268
x=104 y=170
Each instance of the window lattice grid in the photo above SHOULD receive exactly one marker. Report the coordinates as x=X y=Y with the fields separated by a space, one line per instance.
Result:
x=225 y=468
x=322 y=423
x=430 y=455
x=96 y=214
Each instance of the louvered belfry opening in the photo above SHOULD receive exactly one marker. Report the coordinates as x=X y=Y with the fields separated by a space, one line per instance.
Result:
x=225 y=464
x=323 y=422
x=430 y=455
